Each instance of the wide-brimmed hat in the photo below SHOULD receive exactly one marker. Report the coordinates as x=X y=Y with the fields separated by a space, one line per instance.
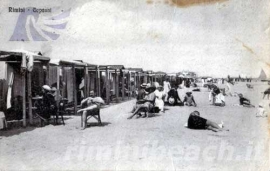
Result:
x=150 y=89
x=143 y=85
x=53 y=89
x=46 y=87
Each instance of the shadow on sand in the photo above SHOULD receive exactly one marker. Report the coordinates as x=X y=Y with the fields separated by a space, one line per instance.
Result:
x=96 y=124
x=15 y=131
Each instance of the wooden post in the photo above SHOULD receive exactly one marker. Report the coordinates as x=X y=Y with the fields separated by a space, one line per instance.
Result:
x=24 y=98
x=98 y=81
x=123 y=86
x=47 y=71
x=89 y=83
x=145 y=78
x=117 y=86
x=129 y=84
x=29 y=92
x=57 y=91
x=74 y=90
x=135 y=80
x=86 y=88
x=139 y=79
x=107 y=86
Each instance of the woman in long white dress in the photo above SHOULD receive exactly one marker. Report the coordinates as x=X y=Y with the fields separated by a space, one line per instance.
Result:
x=159 y=98
x=167 y=87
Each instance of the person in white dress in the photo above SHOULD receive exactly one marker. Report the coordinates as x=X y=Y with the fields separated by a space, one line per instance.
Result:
x=167 y=87
x=159 y=98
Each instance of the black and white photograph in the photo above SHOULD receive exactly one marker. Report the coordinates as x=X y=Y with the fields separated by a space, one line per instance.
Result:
x=135 y=85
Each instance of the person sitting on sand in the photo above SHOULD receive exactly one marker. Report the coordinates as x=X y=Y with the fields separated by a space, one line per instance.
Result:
x=173 y=96
x=159 y=98
x=213 y=92
x=147 y=102
x=90 y=105
x=261 y=111
x=195 y=121
x=189 y=99
x=219 y=100
x=244 y=101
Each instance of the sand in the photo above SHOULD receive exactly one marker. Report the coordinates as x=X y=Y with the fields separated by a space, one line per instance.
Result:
x=156 y=143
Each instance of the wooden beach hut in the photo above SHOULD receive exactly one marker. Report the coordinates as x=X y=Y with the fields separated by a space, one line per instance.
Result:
x=26 y=73
x=136 y=74
x=112 y=82
x=67 y=76
x=159 y=77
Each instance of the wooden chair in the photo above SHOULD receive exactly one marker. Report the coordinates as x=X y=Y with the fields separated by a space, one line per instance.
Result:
x=95 y=113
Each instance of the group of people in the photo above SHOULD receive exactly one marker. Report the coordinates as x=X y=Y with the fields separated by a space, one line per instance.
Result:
x=153 y=98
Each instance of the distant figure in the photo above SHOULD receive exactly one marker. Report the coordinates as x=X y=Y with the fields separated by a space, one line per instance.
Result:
x=140 y=97
x=266 y=92
x=249 y=86
x=195 y=121
x=189 y=99
x=174 y=97
x=167 y=87
x=159 y=98
x=261 y=111
x=219 y=100
x=244 y=101
x=214 y=90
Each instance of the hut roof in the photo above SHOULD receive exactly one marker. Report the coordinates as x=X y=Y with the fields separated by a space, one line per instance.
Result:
x=17 y=56
x=112 y=67
x=67 y=62
x=135 y=69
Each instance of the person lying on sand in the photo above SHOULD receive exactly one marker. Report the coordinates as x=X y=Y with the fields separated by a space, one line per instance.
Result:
x=244 y=101
x=195 y=121
x=189 y=99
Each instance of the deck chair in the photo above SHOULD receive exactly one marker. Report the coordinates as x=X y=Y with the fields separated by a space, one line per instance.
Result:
x=95 y=113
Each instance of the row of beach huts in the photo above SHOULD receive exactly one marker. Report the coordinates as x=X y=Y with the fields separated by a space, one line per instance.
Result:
x=26 y=73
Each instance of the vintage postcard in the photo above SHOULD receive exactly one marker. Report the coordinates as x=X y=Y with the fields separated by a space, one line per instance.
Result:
x=135 y=85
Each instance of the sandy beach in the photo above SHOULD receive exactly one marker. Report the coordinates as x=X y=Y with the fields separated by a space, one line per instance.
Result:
x=160 y=142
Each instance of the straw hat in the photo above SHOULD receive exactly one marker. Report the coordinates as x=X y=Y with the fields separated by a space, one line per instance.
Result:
x=143 y=85
x=150 y=89
x=46 y=87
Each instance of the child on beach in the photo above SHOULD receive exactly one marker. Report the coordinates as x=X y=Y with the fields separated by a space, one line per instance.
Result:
x=261 y=111
x=189 y=99
x=244 y=101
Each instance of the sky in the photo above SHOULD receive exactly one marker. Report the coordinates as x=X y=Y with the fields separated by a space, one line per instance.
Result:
x=224 y=37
